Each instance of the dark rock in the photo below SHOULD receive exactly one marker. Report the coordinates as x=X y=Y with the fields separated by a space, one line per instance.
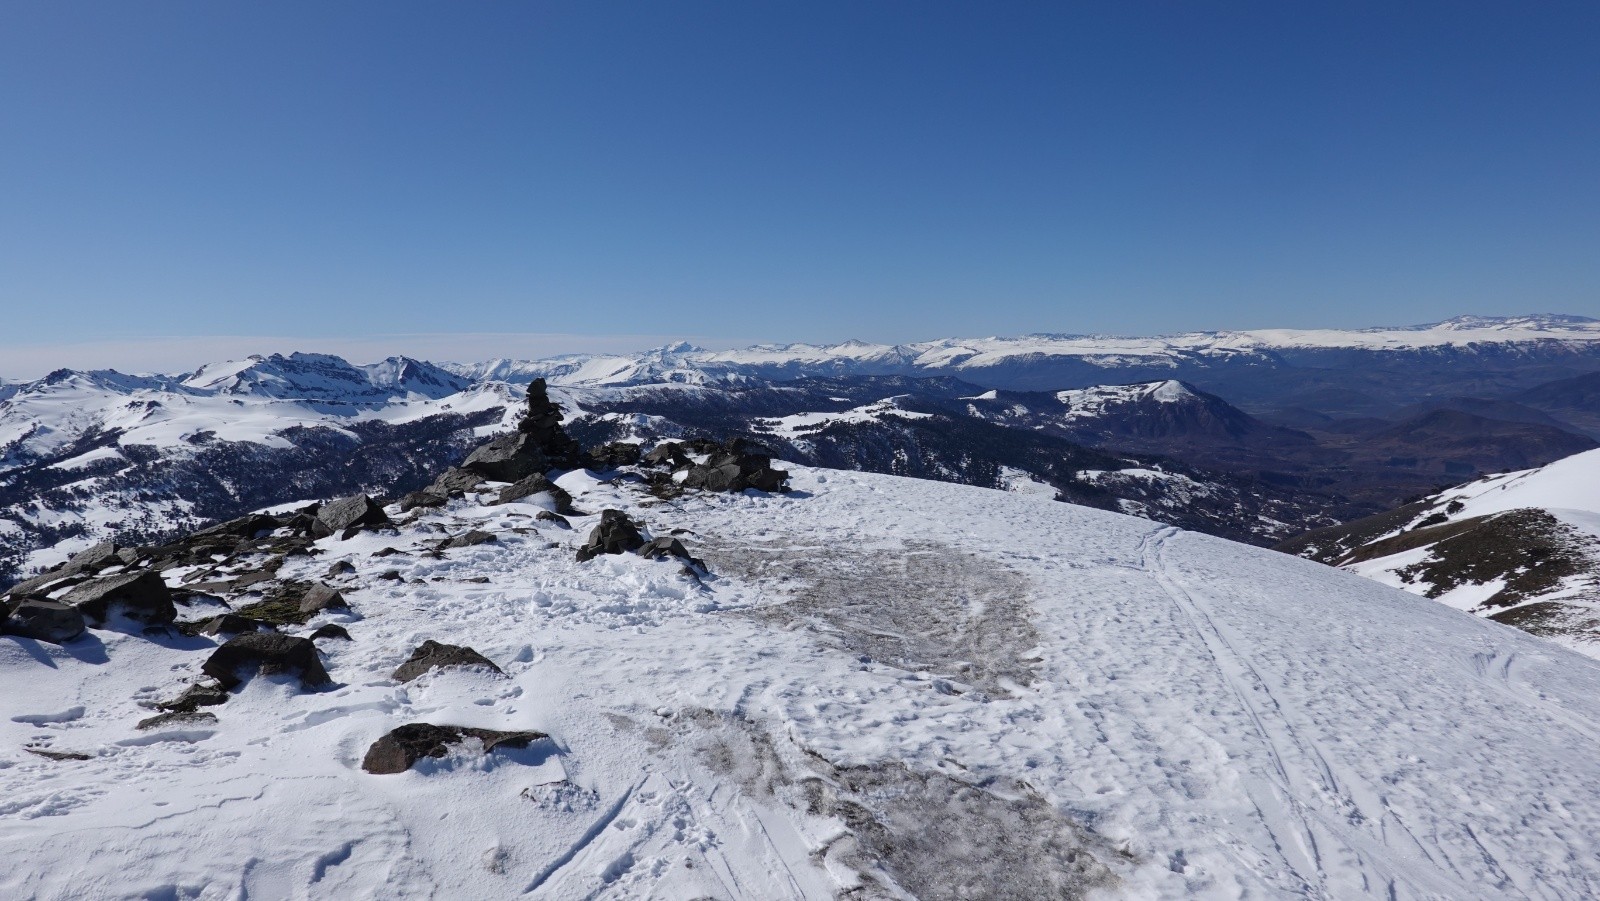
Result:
x=140 y=596
x=44 y=620
x=547 y=516
x=179 y=718
x=402 y=748
x=387 y=552
x=657 y=548
x=433 y=655
x=331 y=630
x=611 y=456
x=541 y=422
x=231 y=624
x=341 y=568
x=454 y=482
x=422 y=499
x=321 y=597
x=128 y=555
x=200 y=694
x=668 y=453
x=532 y=485
x=508 y=458
x=469 y=539
x=735 y=467
x=390 y=575
x=49 y=754
x=355 y=511
x=615 y=534
x=267 y=654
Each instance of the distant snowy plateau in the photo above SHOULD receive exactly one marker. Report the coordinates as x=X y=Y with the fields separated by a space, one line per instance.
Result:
x=989 y=681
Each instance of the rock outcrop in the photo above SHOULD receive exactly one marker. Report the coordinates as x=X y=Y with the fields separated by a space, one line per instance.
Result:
x=402 y=748
x=267 y=654
x=357 y=511
x=432 y=655
x=616 y=534
x=141 y=596
x=43 y=620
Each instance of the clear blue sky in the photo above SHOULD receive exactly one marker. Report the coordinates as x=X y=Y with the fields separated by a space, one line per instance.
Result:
x=790 y=171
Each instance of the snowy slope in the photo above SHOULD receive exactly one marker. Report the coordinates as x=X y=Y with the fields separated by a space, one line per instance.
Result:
x=910 y=688
x=1568 y=488
x=1520 y=547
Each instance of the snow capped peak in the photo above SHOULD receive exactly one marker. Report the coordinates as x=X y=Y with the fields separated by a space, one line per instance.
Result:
x=1170 y=391
x=1082 y=402
x=409 y=376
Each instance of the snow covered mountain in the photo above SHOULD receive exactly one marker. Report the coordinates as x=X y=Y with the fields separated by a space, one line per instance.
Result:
x=1522 y=548
x=873 y=687
x=1343 y=371
x=84 y=455
x=88 y=455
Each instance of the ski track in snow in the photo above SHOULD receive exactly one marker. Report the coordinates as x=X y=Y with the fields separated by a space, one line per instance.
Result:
x=1199 y=718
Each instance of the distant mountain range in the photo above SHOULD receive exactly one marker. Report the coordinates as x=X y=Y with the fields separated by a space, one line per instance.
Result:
x=1256 y=435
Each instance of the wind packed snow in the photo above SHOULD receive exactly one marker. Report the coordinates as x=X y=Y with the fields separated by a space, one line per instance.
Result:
x=888 y=686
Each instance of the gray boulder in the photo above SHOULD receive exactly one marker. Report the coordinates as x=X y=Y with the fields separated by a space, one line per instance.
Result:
x=401 y=749
x=665 y=547
x=454 y=482
x=432 y=655
x=331 y=630
x=354 y=512
x=44 y=620
x=532 y=485
x=266 y=653
x=616 y=534
x=140 y=596
x=200 y=694
x=508 y=458
x=102 y=554
x=179 y=718
x=469 y=539
x=426 y=500
x=321 y=597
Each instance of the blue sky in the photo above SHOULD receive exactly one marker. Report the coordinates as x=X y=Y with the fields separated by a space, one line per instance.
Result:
x=733 y=172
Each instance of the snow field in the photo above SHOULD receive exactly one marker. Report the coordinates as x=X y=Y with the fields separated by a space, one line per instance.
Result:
x=1202 y=718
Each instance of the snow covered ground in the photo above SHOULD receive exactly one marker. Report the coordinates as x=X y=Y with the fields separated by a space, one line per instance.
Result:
x=894 y=687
